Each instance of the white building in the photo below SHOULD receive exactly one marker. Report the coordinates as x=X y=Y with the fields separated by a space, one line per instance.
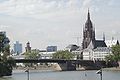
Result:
x=100 y=53
x=87 y=54
x=96 y=50
x=46 y=55
x=99 y=49
x=77 y=53
x=18 y=56
x=112 y=42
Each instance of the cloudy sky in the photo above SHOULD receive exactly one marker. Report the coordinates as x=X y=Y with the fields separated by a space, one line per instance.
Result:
x=57 y=22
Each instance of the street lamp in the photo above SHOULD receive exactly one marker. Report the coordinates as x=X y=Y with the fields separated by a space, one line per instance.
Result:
x=27 y=73
x=100 y=72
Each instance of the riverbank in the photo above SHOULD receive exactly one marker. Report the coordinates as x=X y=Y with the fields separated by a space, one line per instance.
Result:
x=112 y=69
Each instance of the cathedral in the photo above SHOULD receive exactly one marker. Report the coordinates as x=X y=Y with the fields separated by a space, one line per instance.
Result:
x=89 y=36
x=88 y=32
x=93 y=49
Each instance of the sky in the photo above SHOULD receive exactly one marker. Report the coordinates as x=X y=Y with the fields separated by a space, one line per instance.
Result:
x=57 y=22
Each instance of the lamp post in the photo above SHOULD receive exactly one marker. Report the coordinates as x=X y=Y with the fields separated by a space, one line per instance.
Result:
x=100 y=72
x=27 y=74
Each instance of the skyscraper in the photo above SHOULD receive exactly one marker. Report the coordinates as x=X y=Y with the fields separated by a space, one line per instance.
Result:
x=18 y=47
x=88 y=32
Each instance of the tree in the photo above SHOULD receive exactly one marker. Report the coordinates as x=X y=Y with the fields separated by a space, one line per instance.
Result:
x=115 y=56
x=5 y=65
x=33 y=54
x=63 y=55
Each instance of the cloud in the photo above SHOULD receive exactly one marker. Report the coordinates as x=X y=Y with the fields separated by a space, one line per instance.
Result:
x=40 y=7
x=52 y=21
x=87 y=3
x=31 y=7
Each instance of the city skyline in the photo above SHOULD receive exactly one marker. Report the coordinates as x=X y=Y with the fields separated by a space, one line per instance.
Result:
x=57 y=22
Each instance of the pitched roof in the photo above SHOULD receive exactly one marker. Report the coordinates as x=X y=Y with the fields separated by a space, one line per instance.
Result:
x=91 y=45
x=72 y=47
x=96 y=43
x=99 y=43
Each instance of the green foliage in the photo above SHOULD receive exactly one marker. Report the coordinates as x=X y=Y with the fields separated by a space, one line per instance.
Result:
x=116 y=50
x=34 y=54
x=11 y=61
x=115 y=56
x=6 y=68
x=63 y=55
x=109 y=57
x=1 y=42
x=5 y=65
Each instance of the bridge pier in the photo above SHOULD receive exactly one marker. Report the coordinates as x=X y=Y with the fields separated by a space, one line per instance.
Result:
x=68 y=66
x=91 y=65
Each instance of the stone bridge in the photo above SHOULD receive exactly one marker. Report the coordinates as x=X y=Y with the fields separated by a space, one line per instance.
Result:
x=67 y=64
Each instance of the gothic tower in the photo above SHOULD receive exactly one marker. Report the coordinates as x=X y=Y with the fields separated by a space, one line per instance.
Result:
x=88 y=32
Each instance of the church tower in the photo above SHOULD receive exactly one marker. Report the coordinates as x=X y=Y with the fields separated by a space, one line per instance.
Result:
x=88 y=33
x=28 y=48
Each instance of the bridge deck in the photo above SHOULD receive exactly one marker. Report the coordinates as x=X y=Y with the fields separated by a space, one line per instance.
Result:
x=49 y=60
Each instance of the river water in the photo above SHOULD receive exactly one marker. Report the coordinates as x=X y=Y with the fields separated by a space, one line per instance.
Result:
x=63 y=75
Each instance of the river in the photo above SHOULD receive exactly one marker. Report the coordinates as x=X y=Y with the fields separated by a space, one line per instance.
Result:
x=63 y=75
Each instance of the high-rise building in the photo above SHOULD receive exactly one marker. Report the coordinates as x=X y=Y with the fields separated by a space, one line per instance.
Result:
x=51 y=48
x=18 y=47
x=88 y=32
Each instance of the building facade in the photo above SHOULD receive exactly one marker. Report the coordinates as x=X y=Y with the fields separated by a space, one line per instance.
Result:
x=17 y=47
x=51 y=48
x=100 y=53
x=95 y=49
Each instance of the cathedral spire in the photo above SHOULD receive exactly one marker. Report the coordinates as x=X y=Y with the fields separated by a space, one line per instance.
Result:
x=88 y=14
x=103 y=36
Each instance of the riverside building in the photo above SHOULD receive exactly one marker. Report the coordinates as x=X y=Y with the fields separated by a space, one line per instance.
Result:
x=93 y=49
